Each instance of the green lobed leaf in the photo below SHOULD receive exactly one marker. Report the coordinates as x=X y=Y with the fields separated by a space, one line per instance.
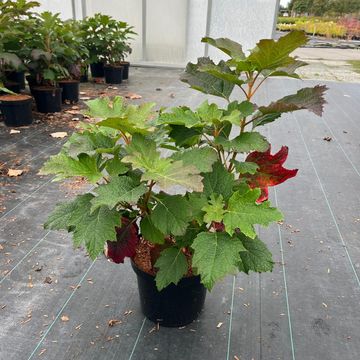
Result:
x=216 y=255
x=115 y=167
x=65 y=166
x=171 y=214
x=88 y=142
x=197 y=201
x=271 y=54
x=219 y=182
x=229 y=47
x=180 y=116
x=185 y=137
x=257 y=257
x=202 y=158
x=165 y=172
x=207 y=83
x=104 y=107
x=172 y=265
x=150 y=232
x=91 y=229
x=243 y=212
x=311 y=98
x=119 y=189
x=214 y=210
x=245 y=142
x=245 y=167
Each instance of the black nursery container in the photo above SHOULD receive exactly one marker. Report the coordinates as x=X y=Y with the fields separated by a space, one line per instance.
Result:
x=17 y=77
x=48 y=99
x=16 y=110
x=70 y=90
x=126 y=66
x=174 y=306
x=97 y=69
x=113 y=74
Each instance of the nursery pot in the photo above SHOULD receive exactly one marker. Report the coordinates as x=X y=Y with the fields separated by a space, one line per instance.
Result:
x=113 y=74
x=126 y=66
x=70 y=90
x=16 y=109
x=97 y=69
x=174 y=306
x=18 y=77
x=48 y=99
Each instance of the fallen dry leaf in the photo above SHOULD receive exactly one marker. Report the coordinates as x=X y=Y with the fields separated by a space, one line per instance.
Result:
x=42 y=351
x=48 y=280
x=72 y=112
x=65 y=318
x=59 y=134
x=12 y=131
x=114 y=322
x=133 y=96
x=14 y=172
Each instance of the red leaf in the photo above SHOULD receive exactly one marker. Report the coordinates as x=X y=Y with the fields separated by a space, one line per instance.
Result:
x=127 y=239
x=270 y=172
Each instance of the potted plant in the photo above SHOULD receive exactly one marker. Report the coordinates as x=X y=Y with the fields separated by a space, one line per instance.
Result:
x=44 y=66
x=180 y=192
x=72 y=55
x=108 y=43
x=15 y=108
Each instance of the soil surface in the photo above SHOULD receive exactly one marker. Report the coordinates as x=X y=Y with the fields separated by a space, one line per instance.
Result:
x=10 y=97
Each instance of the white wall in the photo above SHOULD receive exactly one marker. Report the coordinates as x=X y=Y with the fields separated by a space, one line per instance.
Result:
x=174 y=28
x=64 y=7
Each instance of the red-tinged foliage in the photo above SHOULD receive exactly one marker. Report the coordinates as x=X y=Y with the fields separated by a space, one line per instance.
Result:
x=218 y=226
x=125 y=245
x=270 y=171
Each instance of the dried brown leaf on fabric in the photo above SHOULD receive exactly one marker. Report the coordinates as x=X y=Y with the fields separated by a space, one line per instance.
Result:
x=14 y=172
x=59 y=134
x=133 y=96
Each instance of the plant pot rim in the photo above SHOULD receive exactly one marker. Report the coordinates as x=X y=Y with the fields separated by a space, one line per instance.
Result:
x=68 y=81
x=14 y=98
x=109 y=66
x=184 y=281
x=47 y=88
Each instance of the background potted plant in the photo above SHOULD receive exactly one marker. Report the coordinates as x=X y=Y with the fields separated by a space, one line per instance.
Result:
x=15 y=108
x=107 y=41
x=72 y=56
x=16 y=18
x=180 y=192
x=44 y=66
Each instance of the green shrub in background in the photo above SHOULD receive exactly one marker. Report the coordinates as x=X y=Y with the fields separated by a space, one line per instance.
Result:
x=321 y=28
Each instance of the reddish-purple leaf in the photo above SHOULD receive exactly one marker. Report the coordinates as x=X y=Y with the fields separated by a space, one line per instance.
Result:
x=270 y=171
x=127 y=238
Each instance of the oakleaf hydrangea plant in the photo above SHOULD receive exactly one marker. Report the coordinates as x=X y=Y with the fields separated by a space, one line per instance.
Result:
x=181 y=191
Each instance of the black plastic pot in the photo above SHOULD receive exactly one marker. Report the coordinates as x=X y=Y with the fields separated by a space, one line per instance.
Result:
x=18 y=77
x=48 y=99
x=113 y=74
x=97 y=69
x=174 y=306
x=16 y=112
x=126 y=66
x=70 y=90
